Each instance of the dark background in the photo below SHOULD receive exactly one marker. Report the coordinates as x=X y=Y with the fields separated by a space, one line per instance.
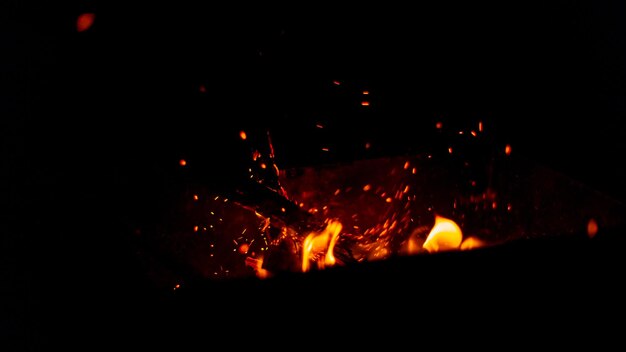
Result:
x=93 y=124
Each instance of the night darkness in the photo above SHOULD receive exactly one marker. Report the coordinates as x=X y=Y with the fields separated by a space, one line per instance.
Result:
x=93 y=124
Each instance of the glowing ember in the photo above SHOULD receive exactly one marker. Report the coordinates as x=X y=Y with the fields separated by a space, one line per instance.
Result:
x=243 y=135
x=507 y=149
x=438 y=125
x=365 y=92
x=445 y=235
x=182 y=162
x=317 y=242
x=365 y=103
x=592 y=228
x=243 y=248
x=480 y=126
x=85 y=21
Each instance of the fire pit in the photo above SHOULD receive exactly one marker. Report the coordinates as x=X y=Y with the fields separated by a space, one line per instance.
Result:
x=465 y=193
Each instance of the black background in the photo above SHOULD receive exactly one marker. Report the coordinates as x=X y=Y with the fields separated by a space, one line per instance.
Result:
x=93 y=123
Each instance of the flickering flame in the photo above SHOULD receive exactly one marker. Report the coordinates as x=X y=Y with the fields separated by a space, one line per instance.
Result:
x=445 y=235
x=472 y=243
x=317 y=242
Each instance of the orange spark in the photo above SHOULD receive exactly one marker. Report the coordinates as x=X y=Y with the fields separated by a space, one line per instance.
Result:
x=406 y=165
x=195 y=229
x=182 y=162
x=366 y=92
x=263 y=166
x=473 y=133
x=243 y=135
x=243 y=248
x=389 y=200
x=85 y=21
x=414 y=171
x=450 y=150
x=195 y=197
x=507 y=149
x=367 y=188
x=365 y=103
x=480 y=126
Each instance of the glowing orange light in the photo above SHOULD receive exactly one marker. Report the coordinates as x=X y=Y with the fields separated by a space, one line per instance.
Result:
x=182 y=162
x=592 y=228
x=507 y=149
x=365 y=103
x=365 y=92
x=243 y=135
x=176 y=287
x=243 y=248
x=367 y=188
x=195 y=229
x=257 y=266
x=472 y=243
x=445 y=235
x=317 y=242
x=473 y=133
x=85 y=21
x=450 y=150
x=195 y=197
x=283 y=210
x=480 y=126
x=438 y=125
x=509 y=207
x=414 y=171
x=389 y=200
x=406 y=165
x=263 y=166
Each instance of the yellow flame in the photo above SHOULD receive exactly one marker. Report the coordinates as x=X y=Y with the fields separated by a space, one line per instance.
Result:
x=317 y=242
x=445 y=235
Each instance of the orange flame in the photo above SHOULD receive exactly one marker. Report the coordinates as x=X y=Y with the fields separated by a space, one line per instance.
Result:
x=445 y=235
x=317 y=242
x=472 y=243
